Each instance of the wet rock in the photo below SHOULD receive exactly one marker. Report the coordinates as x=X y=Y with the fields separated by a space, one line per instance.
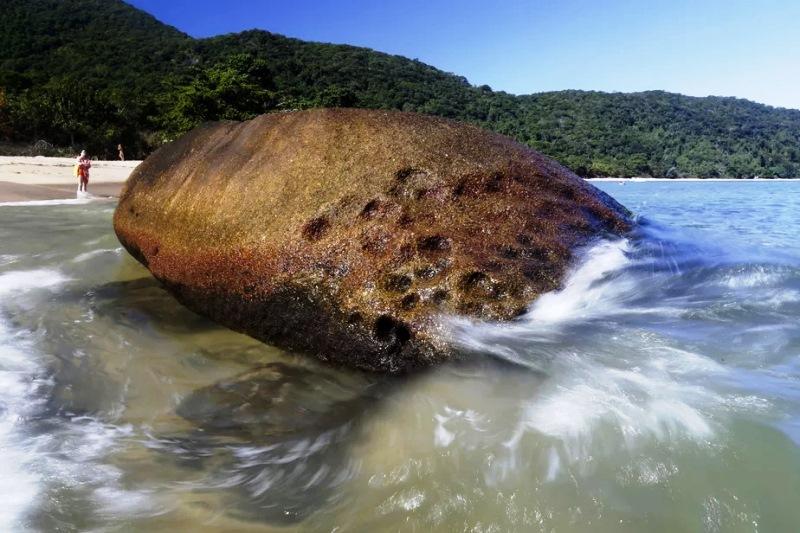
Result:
x=346 y=234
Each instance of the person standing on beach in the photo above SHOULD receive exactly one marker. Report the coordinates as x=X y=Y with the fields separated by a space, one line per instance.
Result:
x=121 y=152
x=83 y=164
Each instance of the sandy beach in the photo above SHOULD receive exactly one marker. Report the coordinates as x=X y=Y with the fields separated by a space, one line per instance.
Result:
x=52 y=178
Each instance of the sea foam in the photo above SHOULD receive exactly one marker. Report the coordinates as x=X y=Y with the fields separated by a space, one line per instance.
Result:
x=640 y=390
x=73 y=453
x=22 y=280
x=19 y=399
x=42 y=203
x=18 y=484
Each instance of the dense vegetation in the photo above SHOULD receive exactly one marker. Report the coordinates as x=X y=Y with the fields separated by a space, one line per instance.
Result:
x=94 y=73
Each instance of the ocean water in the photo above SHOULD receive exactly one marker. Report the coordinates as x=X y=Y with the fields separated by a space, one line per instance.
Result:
x=658 y=390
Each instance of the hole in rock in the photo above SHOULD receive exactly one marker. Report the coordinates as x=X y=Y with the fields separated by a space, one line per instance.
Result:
x=439 y=296
x=397 y=283
x=494 y=183
x=389 y=329
x=409 y=301
x=473 y=280
x=433 y=243
x=524 y=240
x=403 y=174
x=405 y=220
x=460 y=188
x=315 y=228
x=370 y=209
x=510 y=252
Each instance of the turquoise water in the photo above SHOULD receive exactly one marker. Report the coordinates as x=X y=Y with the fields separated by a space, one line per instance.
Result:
x=659 y=390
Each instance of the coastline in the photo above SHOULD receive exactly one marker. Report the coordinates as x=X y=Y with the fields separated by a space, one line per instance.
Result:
x=36 y=179
x=26 y=179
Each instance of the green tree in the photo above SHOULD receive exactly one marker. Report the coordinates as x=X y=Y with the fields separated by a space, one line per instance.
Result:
x=145 y=83
x=231 y=90
x=67 y=112
x=5 y=120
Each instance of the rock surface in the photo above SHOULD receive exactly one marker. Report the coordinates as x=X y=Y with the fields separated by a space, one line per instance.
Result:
x=347 y=234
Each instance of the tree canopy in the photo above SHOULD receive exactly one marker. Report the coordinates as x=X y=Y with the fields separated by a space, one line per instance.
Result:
x=95 y=73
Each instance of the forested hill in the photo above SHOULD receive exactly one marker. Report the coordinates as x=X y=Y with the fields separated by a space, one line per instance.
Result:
x=93 y=73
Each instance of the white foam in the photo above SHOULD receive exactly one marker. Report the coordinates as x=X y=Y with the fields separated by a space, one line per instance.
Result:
x=637 y=391
x=442 y=437
x=594 y=289
x=70 y=454
x=777 y=298
x=23 y=280
x=453 y=422
x=19 y=481
x=43 y=203
x=751 y=278
x=762 y=285
x=115 y=502
x=583 y=296
x=19 y=485
x=589 y=408
x=94 y=253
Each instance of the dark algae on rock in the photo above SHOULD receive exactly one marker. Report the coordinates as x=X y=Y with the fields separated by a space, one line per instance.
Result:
x=347 y=234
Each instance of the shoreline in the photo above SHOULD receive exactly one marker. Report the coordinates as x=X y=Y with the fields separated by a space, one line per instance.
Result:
x=18 y=193
x=37 y=179
x=41 y=179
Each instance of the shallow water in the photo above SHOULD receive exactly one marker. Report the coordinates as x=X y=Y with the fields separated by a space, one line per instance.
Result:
x=658 y=391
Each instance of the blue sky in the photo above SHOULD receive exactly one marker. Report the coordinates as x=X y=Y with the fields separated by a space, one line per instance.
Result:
x=749 y=49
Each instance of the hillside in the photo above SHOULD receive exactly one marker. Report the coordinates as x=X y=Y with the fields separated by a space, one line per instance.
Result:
x=97 y=72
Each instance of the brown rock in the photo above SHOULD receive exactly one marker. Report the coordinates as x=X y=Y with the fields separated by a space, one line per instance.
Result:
x=347 y=233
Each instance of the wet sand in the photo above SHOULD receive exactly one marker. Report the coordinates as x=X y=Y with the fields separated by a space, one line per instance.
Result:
x=52 y=178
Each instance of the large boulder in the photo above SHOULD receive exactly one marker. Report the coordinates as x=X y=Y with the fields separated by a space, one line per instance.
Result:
x=349 y=234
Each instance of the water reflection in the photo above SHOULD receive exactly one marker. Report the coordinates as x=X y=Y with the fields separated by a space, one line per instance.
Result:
x=280 y=434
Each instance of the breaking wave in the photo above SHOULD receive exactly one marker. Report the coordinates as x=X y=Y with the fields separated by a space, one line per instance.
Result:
x=628 y=348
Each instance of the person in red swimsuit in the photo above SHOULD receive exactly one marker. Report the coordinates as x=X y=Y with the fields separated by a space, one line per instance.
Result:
x=83 y=165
